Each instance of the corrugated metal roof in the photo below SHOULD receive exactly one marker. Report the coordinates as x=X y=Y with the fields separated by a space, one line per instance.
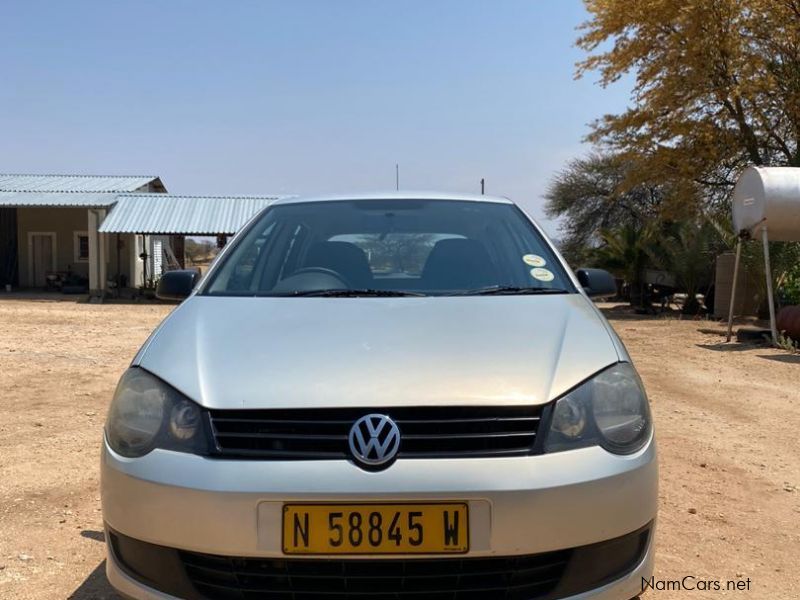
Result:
x=73 y=183
x=49 y=199
x=187 y=215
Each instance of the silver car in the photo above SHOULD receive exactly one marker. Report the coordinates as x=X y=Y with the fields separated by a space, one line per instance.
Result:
x=391 y=396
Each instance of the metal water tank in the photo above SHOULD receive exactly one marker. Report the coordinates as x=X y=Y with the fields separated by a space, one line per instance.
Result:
x=768 y=196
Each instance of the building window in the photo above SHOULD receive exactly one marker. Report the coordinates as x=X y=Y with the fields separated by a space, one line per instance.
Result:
x=81 y=244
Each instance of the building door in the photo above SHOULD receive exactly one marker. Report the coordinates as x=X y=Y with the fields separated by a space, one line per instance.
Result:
x=9 y=267
x=42 y=257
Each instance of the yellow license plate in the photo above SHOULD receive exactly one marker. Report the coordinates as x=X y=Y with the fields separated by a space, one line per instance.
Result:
x=435 y=528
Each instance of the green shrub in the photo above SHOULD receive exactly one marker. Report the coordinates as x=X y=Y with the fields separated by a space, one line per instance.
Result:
x=789 y=290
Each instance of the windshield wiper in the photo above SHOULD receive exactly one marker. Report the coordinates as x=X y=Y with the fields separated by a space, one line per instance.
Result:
x=511 y=290
x=354 y=293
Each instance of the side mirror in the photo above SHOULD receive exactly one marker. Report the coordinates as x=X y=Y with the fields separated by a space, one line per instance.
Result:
x=597 y=283
x=177 y=285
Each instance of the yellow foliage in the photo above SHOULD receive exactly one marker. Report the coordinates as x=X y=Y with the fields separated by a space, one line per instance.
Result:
x=717 y=86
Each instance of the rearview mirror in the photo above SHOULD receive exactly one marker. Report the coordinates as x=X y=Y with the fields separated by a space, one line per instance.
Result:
x=177 y=285
x=597 y=283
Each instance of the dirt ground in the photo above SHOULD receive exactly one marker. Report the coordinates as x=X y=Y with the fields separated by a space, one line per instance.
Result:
x=727 y=419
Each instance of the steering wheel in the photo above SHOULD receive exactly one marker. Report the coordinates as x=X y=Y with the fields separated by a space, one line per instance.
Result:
x=323 y=271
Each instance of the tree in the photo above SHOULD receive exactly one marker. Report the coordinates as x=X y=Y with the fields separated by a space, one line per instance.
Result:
x=198 y=250
x=625 y=251
x=687 y=250
x=397 y=252
x=587 y=195
x=717 y=87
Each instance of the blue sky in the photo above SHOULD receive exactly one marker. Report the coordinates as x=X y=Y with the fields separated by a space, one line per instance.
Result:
x=301 y=96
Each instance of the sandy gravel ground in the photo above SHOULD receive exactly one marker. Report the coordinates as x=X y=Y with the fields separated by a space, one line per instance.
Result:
x=727 y=419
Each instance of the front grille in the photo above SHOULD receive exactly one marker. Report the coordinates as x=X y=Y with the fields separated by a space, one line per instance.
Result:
x=426 y=432
x=507 y=578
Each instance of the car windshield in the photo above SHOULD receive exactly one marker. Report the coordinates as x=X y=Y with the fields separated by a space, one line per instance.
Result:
x=388 y=248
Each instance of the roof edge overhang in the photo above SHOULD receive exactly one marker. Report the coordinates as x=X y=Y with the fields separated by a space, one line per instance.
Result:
x=168 y=214
x=57 y=199
x=78 y=183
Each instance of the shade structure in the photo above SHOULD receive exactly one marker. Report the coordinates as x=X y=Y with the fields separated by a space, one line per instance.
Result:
x=168 y=214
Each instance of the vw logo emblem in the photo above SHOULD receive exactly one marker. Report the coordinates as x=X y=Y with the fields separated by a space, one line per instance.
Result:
x=374 y=440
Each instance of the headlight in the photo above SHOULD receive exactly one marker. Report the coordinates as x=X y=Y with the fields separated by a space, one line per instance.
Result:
x=146 y=414
x=609 y=410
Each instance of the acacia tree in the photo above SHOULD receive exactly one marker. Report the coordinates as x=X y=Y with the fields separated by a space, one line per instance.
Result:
x=717 y=87
x=587 y=195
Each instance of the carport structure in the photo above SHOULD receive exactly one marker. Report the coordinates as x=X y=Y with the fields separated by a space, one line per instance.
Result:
x=161 y=221
x=169 y=214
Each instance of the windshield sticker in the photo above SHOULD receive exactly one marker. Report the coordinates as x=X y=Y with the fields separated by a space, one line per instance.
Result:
x=542 y=274
x=534 y=260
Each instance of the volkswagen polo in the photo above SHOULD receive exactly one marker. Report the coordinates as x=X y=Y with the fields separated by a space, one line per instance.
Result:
x=389 y=396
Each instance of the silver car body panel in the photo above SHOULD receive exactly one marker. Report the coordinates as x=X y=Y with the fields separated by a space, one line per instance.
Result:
x=372 y=352
x=394 y=195
x=211 y=505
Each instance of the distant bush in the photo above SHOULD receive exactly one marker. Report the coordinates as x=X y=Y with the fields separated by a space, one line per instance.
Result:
x=789 y=290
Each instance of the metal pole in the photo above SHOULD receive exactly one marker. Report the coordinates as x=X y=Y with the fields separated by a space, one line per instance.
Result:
x=773 y=327
x=733 y=289
x=397 y=176
x=119 y=269
x=144 y=261
x=483 y=183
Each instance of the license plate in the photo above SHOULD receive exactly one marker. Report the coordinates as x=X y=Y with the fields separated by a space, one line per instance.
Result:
x=433 y=528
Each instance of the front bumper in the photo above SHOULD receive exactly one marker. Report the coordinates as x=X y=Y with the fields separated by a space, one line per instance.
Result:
x=518 y=506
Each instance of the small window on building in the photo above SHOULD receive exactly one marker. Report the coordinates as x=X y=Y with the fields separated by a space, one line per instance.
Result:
x=81 y=242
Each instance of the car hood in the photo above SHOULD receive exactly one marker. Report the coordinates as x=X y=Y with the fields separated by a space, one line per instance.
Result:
x=233 y=352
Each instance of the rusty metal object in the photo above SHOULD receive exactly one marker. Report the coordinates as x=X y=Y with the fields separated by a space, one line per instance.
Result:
x=789 y=322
